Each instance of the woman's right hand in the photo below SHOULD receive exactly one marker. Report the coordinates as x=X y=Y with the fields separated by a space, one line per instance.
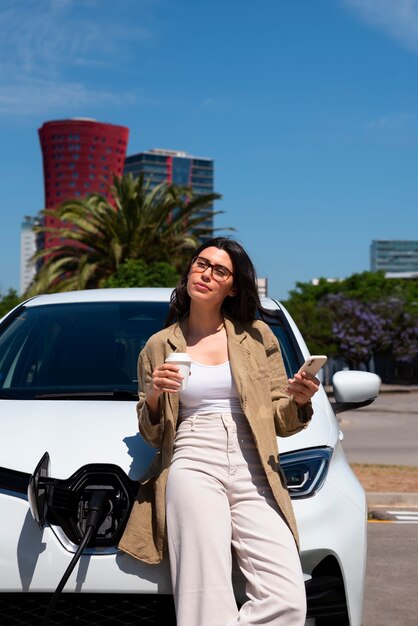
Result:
x=165 y=378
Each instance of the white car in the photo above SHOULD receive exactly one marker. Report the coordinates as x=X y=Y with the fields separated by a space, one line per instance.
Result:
x=68 y=388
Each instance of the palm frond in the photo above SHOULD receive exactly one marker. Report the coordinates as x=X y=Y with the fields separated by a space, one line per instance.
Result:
x=164 y=222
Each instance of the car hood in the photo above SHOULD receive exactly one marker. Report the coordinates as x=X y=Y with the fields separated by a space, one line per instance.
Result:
x=80 y=432
x=74 y=433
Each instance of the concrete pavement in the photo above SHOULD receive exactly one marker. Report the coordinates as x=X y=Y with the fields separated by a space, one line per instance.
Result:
x=404 y=401
x=375 y=498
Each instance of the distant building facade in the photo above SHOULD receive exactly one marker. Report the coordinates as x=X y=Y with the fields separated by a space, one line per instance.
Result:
x=80 y=156
x=176 y=167
x=316 y=281
x=262 y=287
x=394 y=256
x=28 y=247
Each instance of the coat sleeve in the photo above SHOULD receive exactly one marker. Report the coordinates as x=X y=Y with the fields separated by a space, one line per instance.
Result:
x=288 y=417
x=152 y=433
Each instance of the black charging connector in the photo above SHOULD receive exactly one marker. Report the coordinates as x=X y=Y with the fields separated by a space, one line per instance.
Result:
x=96 y=509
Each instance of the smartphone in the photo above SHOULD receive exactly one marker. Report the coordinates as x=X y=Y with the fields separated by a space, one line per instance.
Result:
x=313 y=364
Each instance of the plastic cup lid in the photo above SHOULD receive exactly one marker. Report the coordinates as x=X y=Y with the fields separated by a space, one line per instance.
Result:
x=179 y=357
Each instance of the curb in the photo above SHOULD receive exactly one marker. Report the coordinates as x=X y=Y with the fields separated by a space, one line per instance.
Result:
x=374 y=498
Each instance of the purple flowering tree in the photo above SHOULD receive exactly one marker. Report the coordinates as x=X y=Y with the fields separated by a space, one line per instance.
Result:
x=358 y=330
x=400 y=331
x=362 y=330
x=363 y=316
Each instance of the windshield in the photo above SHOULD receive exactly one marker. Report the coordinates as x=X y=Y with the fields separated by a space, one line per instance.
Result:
x=84 y=349
x=76 y=347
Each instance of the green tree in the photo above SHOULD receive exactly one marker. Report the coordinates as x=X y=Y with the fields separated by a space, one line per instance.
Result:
x=96 y=236
x=363 y=286
x=136 y=273
x=314 y=322
x=8 y=301
x=361 y=315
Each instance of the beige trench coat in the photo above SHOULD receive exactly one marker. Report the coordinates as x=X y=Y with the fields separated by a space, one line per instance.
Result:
x=259 y=373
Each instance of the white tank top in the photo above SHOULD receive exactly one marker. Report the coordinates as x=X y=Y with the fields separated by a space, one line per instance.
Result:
x=211 y=389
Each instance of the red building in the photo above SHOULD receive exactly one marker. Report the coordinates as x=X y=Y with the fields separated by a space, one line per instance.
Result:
x=80 y=157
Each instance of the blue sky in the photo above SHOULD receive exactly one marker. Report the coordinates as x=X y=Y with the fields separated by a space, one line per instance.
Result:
x=309 y=109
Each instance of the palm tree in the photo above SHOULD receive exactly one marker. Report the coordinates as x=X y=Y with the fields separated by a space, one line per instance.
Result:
x=164 y=223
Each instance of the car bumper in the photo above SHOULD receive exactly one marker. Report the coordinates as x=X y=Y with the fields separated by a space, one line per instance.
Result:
x=334 y=519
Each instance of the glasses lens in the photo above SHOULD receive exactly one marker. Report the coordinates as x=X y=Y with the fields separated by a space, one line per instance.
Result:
x=220 y=273
x=200 y=264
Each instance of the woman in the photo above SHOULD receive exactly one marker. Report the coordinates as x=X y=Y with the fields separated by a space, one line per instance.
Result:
x=216 y=481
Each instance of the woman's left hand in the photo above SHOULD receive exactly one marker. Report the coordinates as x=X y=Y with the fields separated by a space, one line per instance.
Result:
x=302 y=387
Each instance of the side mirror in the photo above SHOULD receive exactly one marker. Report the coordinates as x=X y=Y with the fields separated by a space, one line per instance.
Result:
x=354 y=389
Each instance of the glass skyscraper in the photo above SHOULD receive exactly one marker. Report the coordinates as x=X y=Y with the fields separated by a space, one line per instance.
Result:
x=394 y=256
x=176 y=167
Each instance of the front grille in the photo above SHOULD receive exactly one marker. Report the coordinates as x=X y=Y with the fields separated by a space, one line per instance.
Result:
x=28 y=609
x=326 y=603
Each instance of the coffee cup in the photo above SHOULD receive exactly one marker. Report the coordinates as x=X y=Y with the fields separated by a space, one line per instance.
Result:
x=183 y=361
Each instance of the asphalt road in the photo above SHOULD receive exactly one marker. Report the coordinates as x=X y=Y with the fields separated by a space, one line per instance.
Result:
x=391 y=575
x=385 y=432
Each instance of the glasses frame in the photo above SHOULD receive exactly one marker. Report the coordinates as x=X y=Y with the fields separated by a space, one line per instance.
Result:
x=212 y=266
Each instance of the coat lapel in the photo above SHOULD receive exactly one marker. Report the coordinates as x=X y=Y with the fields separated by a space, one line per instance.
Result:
x=177 y=343
x=238 y=351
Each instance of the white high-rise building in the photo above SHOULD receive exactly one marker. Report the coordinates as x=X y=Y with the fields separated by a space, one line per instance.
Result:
x=27 y=249
x=262 y=286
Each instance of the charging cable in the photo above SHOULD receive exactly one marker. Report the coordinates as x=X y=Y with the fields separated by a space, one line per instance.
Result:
x=94 y=517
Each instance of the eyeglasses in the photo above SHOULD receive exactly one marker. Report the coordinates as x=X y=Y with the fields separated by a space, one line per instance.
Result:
x=219 y=272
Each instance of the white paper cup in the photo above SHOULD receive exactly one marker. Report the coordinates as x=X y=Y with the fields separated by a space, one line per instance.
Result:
x=183 y=361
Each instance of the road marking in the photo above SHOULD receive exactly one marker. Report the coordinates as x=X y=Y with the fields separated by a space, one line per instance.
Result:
x=395 y=516
x=404 y=517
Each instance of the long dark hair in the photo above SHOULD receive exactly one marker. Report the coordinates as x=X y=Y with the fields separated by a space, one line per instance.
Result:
x=244 y=306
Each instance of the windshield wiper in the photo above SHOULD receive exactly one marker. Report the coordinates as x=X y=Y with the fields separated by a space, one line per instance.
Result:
x=7 y=396
x=111 y=394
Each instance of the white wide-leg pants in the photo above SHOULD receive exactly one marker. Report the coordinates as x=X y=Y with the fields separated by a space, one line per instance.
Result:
x=218 y=496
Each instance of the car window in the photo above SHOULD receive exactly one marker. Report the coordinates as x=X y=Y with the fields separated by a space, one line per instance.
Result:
x=290 y=359
x=85 y=347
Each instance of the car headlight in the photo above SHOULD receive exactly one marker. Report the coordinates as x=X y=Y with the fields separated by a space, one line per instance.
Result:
x=305 y=471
